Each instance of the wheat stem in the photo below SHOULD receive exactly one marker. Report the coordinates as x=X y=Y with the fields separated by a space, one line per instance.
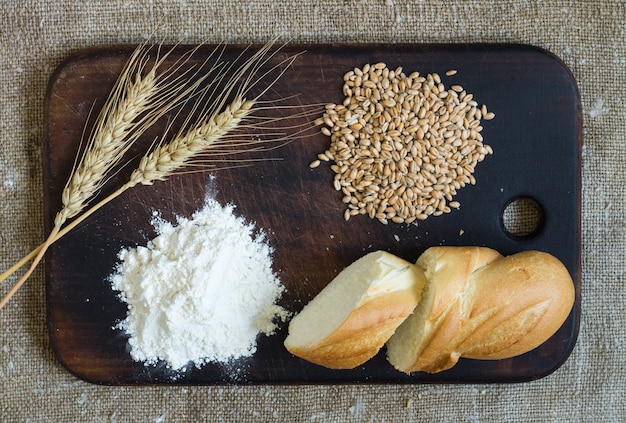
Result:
x=23 y=279
x=55 y=234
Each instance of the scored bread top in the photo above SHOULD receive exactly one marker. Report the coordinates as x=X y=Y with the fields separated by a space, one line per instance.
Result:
x=505 y=306
x=527 y=297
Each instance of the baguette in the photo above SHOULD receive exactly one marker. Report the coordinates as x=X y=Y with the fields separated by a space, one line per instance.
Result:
x=348 y=322
x=480 y=305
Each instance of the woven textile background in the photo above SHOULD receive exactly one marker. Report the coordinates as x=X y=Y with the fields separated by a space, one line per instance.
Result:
x=590 y=36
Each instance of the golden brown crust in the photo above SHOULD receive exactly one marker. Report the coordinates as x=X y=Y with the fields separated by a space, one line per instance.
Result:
x=506 y=307
x=447 y=271
x=435 y=354
x=530 y=295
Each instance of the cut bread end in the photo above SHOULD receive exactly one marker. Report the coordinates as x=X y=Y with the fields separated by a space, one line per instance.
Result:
x=348 y=322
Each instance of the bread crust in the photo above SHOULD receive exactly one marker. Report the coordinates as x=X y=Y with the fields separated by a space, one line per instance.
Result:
x=529 y=296
x=506 y=307
x=447 y=271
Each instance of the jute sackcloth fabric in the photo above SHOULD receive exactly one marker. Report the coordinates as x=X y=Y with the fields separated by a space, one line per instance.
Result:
x=589 y=36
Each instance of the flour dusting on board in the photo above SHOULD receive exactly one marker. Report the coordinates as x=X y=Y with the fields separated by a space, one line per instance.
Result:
x=200 y=292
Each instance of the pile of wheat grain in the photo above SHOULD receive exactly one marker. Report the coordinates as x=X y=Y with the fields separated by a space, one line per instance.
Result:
x=402 y=145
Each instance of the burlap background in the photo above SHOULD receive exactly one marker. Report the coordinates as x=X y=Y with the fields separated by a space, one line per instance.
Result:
x=590 y=36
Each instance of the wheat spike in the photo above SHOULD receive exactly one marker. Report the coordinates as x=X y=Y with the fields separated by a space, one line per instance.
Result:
x=137 y=101
x=108 y=144
x=167 y=159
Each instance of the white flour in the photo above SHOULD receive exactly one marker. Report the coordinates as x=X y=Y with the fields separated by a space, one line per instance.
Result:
x=199 y=292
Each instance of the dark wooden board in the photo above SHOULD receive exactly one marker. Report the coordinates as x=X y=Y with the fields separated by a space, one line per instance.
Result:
x=536 y=138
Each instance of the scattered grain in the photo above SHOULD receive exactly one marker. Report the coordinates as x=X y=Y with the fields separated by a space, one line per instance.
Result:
x=457 y=88
x=451 y=72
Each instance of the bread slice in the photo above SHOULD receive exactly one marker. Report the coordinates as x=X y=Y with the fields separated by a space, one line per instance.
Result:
x=493 y=307
x=348 y=322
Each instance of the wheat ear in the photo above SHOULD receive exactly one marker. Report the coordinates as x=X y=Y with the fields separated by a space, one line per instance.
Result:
x=137 y=101
x=166 y=159
x=160 y=163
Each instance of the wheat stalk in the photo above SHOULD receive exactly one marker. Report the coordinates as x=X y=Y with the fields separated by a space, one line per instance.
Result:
x=137 y=100
x=218 y=119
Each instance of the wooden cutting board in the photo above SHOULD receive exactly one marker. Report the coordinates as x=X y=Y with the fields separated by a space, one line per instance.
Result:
x=536 y=138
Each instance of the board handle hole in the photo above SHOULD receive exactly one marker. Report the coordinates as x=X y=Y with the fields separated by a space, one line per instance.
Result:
x=523 y=218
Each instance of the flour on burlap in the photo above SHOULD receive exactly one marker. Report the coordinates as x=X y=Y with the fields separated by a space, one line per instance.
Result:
x=201 y=291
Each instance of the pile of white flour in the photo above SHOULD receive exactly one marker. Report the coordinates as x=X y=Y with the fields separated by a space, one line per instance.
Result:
x=200 y=292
